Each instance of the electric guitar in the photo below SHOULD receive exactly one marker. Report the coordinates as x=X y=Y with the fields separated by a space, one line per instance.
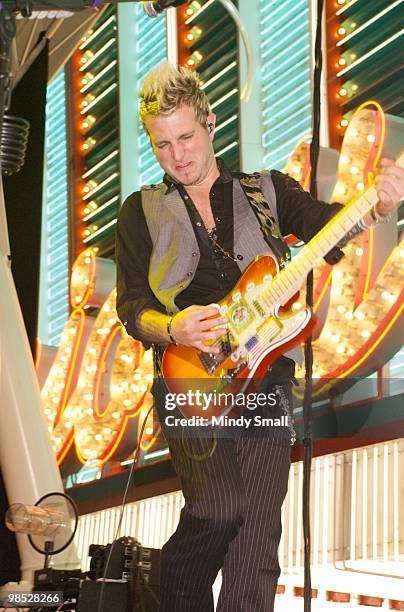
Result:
x=262 y=324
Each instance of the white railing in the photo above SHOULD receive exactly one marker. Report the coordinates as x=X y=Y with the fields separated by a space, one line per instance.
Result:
x=357 y=515
x=357 y=518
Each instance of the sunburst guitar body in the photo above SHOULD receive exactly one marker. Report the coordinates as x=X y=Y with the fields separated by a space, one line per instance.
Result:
x=258 y=332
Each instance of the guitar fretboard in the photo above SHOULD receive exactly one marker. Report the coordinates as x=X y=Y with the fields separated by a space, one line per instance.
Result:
x=290 y=279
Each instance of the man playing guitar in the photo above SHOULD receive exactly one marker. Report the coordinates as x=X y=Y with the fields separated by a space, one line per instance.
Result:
x=182 y=247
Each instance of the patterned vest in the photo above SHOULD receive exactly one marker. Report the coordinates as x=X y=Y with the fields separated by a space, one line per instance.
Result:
x=175 y=253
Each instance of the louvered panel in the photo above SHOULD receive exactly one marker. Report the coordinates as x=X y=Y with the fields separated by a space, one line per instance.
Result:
x=285 y=94
x=99 y=124
x=150 y=36
x=54 y=270
x=213 y=52
x=369 y=44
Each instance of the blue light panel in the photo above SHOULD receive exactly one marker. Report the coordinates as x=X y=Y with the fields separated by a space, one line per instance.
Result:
x=151 y=50
x=54 y=300
x=285 y=66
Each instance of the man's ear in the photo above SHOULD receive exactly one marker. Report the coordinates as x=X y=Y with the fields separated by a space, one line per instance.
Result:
x=211 y=124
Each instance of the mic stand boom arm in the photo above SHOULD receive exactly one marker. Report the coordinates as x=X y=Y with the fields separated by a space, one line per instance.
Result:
x=25 y=7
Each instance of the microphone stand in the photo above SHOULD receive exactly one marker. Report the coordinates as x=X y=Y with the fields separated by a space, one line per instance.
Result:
x=308 y=348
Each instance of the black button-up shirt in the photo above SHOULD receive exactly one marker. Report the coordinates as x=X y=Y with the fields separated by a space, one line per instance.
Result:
x=217 y=266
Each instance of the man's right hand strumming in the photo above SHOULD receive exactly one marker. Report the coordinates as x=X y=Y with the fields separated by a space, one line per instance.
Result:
x=197 y=325
x=194 y=326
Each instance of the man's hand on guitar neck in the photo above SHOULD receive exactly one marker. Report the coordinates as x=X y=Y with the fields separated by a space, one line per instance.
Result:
x=196 y=325
x=389 y=183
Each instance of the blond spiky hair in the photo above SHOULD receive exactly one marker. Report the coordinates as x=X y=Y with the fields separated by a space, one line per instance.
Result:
x=166 y=88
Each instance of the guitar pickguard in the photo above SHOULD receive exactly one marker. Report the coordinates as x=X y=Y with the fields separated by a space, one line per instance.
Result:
x=240 y=316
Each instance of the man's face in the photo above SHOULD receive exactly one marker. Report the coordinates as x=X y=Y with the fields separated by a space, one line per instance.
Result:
x=182 y=146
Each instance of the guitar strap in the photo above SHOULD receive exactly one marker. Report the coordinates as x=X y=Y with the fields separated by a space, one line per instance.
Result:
x=251 y=185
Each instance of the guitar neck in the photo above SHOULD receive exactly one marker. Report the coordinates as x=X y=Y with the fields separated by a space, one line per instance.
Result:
x=290 y=279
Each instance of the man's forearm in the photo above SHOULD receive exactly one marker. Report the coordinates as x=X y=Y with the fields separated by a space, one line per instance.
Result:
x=365 y=223
x=152 y=324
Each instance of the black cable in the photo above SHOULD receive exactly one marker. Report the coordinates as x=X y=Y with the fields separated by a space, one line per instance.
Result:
x=152 y=594
x=140 y=588
x=205 y=454
x=308 y=349
x=67 y=601
x=123 y=504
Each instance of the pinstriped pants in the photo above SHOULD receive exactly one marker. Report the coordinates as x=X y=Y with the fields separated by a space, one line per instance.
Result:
x=231 y=520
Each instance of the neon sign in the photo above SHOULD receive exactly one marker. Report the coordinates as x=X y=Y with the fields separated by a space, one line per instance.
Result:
x=98 y=387
x=100 y=380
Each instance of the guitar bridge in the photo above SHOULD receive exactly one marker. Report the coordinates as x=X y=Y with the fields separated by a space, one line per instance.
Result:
x=211 y=361
x=225 y=344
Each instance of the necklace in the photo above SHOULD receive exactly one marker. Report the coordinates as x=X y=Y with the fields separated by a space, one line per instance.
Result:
x=212 y=236
x=226 y=254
